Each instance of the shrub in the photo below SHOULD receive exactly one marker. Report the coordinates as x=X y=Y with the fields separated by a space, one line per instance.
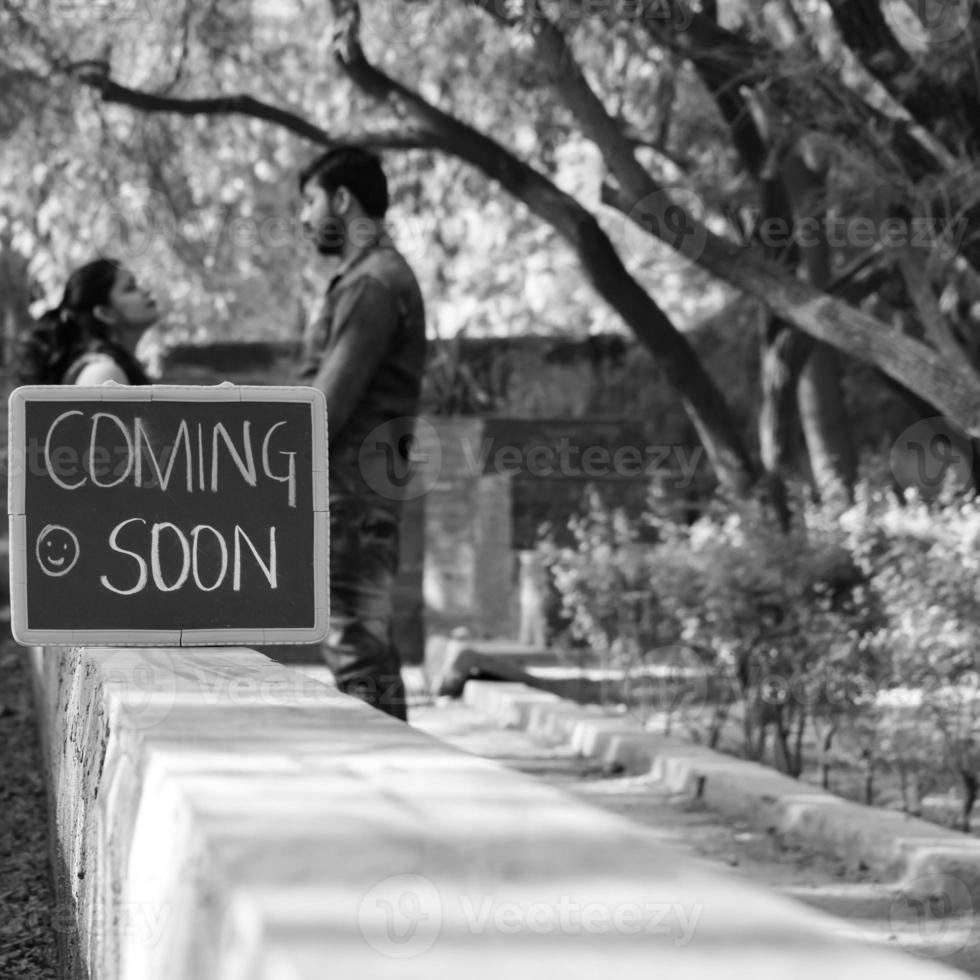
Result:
x=772 y=618
x=921 y=559
x=864 y=624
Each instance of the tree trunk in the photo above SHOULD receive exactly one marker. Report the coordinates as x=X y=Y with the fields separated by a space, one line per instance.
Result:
x=868 y=762
x=780 y=742
x=823 y=415
x=789 y=740
x=780 y=359
x=15 y=297
x=911 y=791
x=823 y=418
x=825 y=744
x=718 y=719
x=753 y=729
x=970 y=787
x=798 y=743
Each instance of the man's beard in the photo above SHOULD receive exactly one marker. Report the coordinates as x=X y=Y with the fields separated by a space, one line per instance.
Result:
x=331 y=236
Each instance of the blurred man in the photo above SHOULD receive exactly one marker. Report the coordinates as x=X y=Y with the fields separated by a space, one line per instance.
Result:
x=366 y=353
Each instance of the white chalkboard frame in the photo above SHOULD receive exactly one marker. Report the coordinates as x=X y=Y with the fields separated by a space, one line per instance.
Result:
x=232 y=636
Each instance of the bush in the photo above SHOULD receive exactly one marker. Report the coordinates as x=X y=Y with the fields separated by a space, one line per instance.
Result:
x=769 y=616
x=864 y=624
x=922 y=560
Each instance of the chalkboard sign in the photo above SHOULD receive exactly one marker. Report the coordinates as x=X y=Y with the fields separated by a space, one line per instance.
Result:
x=168 y=516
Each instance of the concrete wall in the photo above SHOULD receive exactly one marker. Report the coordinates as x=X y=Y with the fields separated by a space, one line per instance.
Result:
x=221 y=817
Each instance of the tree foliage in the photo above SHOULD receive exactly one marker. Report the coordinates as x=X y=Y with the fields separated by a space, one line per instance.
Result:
x=556 y=165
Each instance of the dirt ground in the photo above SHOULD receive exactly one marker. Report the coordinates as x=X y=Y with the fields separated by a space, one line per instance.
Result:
x=27 y=903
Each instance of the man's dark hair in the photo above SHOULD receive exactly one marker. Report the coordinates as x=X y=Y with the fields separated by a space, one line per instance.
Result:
x=354 y=168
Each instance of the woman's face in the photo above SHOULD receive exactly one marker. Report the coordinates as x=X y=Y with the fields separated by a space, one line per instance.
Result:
x=131 y=306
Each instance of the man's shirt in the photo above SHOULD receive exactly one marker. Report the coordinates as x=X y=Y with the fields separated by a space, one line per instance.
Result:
x=366 y=353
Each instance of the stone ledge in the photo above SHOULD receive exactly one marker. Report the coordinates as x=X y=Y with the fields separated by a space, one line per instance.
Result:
x=897 y=846
x=222 y=817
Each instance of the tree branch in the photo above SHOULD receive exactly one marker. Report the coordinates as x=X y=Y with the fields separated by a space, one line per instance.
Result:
x=726 y=61
x=912 y=363
x=928 y=309
x=866 y=32
x=810 y=309
x=96 y=75
x=915 y=364
x=704 y=402
x=948 y=386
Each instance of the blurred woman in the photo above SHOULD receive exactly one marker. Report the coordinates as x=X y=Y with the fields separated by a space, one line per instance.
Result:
x=91 y=335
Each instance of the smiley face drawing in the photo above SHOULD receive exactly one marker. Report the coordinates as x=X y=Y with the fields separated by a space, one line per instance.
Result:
x=56 y=550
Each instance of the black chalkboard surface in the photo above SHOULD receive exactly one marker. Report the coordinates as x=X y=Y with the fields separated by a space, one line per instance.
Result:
x=169 y=516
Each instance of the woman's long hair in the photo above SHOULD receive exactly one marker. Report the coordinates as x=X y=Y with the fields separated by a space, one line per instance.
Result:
x=71 y=328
